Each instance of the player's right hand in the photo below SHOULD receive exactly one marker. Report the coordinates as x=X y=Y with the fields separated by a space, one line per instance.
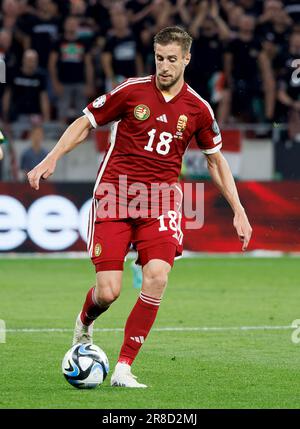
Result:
x=43 y=170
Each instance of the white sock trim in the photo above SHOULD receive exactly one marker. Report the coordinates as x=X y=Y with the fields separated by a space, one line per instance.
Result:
x=150 y=300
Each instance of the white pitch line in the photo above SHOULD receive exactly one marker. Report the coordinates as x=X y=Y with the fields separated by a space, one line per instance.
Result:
x=166 y=329
x=132 y=255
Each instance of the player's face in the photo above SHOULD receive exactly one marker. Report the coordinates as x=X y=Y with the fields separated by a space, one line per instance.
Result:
x=170 y=64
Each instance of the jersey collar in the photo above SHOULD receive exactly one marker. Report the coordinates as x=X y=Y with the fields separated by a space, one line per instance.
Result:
x=161 y=97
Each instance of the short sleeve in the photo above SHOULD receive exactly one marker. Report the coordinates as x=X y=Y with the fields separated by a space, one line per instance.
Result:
x=208 y=135
x=107 y=108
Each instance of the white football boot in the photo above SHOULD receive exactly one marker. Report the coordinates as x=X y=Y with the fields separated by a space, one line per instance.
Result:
x=122 y=377
x=82 y=334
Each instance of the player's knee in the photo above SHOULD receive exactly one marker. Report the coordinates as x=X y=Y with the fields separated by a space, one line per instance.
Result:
x=155 y=278
x=107 y=292
x=106 y=297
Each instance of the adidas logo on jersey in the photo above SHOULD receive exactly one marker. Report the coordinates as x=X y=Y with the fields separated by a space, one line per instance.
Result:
x=139 y=340
x=162 y=118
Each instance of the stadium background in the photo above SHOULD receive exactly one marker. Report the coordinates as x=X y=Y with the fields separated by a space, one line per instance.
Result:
x=243 y=51
x=243 y=64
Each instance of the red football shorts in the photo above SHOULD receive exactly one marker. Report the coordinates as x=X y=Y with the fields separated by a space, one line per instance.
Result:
x=110 y=240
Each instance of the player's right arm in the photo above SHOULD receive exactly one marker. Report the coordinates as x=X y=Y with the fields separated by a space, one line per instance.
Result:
x=73 y=136
x=101 y=111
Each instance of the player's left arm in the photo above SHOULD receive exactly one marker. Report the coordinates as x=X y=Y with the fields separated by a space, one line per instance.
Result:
x=222 y=177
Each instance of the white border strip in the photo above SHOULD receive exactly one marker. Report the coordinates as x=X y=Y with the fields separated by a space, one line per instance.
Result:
x=90 y=117
x=206 y=103
x=131 y=81
x=212 y=150
x=128 y=83
x=166 y=329
x=113 y=135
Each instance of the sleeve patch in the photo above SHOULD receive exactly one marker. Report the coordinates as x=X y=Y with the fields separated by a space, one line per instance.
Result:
x=215 y=127
x=99 y=102
x=217 y=139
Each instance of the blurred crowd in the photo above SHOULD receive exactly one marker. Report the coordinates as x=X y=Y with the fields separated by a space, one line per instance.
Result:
x=60 y=54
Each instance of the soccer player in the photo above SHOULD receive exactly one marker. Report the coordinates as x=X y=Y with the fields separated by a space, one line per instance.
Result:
x=154 y=118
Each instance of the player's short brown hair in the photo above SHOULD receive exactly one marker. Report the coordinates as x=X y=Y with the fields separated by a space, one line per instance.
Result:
x=174 y=35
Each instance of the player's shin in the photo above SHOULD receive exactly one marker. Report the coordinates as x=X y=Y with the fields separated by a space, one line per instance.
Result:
x=138 y=326
x=91 y=308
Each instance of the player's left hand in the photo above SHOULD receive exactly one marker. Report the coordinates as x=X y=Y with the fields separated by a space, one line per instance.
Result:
x=243 y=227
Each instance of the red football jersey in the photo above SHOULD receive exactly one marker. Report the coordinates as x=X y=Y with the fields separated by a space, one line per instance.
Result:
x=149 y=134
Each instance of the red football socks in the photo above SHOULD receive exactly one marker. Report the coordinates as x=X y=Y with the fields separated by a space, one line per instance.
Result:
x=91 y=308
x=138 y=326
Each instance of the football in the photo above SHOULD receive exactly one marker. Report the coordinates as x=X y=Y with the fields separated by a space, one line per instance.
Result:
x=85 y=366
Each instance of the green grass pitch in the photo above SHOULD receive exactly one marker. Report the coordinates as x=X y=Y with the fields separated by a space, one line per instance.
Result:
x=232 y=368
